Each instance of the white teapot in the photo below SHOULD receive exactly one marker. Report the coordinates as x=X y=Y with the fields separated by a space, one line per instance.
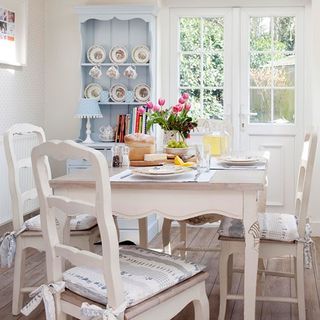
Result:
x=106 y=133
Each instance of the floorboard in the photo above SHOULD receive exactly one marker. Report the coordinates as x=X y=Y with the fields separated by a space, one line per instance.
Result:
x=197 y=236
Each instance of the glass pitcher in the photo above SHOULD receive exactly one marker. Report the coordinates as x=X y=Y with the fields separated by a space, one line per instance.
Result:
x=217 y=138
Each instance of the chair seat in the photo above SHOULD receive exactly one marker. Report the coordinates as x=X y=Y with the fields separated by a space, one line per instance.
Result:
x=273 y=226
x=144 y=273
x=80 y=222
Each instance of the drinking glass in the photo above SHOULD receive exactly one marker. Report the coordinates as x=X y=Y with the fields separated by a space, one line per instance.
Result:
x=204 y=157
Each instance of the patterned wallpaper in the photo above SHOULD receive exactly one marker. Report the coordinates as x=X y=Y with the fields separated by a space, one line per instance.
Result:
x=22 y=93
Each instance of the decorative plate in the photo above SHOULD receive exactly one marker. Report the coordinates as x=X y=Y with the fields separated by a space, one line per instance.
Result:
x=118 y=54
x=118 y=93
x=96 y=54
x=142 y=93
x=93 y=91
x=140 y=54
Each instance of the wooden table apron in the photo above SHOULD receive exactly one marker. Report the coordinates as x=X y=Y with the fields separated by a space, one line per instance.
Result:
x=230 y=195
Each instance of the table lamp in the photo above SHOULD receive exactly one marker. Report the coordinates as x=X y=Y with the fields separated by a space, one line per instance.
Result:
x=88 y=108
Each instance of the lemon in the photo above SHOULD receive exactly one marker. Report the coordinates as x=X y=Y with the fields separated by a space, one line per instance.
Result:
x=178 y=161
x=188 y=164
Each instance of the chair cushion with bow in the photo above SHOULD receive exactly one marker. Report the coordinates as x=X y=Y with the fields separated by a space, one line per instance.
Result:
x=79 y=222
x=144 y=273
x=273 y=226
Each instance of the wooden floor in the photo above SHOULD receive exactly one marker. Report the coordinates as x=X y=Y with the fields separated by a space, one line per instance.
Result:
x=35 y=271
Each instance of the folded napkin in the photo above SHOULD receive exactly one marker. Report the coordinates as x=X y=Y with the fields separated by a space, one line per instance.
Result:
x=192 y=176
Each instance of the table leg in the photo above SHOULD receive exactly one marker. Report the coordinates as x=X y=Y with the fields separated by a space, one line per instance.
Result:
x=252 y=239
x=143 y=232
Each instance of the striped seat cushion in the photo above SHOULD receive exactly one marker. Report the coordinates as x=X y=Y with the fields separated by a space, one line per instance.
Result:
x=273 y=226
x=80 y=222
x=144 y=273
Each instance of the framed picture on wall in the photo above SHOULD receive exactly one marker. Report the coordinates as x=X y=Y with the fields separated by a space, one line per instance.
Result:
x=13 y=32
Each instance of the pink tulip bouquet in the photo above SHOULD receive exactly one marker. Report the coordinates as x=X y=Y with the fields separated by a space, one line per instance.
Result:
x=176 y=118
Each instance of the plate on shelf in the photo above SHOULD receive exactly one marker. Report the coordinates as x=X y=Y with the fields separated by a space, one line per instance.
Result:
x=118 y=93
x=96 y=54
x=140 y=54
x=142 y=93
x=93 y=91
x=118 y=54
x=240 y=161
x=161 y=171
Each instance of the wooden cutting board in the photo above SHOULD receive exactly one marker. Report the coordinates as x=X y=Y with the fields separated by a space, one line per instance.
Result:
x=143 y=163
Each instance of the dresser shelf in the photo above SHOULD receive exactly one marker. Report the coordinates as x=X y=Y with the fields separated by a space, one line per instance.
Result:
x=109 y=64
x=123 y=103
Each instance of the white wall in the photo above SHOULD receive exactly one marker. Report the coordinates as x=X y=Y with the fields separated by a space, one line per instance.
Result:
x=22 y=93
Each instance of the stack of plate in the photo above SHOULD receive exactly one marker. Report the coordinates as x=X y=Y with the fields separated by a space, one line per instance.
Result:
x=240 y=160
x=161 y=172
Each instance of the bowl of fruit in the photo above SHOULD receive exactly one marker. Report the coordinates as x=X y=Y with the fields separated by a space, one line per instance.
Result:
x=177 y=148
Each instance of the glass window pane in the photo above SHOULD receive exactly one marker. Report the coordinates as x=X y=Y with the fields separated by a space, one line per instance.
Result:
x=284 y=70
x=213 y=33
x=260 y=105
x=284 y=33
x=260 y=70
x=213 y=104
x=190 y=34
x=213 y=70
x=260 y=33
x=284 y=106
x=190 y=70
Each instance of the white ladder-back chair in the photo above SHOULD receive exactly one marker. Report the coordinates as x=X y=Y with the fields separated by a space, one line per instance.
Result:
x=281 y=235
x=126 y=283
x=18 y=143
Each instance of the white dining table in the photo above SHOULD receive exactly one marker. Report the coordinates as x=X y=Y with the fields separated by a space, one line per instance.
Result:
x=231 y=193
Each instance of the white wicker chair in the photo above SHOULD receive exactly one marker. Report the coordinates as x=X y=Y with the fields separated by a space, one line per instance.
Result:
x=290 y=241
x=19 y=166
x=137 y=279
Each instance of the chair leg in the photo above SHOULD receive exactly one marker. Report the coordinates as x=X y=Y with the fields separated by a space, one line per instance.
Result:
x=300 y=283
x=183 y=238
x=201 y=305
x=166 y=230
x=230 y=272
x=224 y=264
x=18 y=278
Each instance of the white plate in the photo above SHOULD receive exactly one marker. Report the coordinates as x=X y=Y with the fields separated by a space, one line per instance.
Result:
x=118 y=93
x=118 y=54
x=93 y=91
x=96 y=54
x=240 y=161
x=141 y=54
x=141 y=93
x=161 y=171
x=160 y=174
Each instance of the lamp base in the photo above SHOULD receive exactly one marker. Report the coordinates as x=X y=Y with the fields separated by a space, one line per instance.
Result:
x=88 y=140
x=88 y=132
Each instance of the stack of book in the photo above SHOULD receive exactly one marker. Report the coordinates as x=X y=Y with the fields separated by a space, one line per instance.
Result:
x=130 y=123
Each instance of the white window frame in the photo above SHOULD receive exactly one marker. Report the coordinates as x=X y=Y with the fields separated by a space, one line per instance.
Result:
x=273 y=128
x=175 y=15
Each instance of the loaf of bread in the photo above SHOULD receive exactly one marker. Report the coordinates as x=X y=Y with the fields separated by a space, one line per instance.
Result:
x=139 y=144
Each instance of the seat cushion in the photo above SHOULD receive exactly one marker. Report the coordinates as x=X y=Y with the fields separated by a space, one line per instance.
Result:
x=273 y=226
x=144 y=273
x=80 y=222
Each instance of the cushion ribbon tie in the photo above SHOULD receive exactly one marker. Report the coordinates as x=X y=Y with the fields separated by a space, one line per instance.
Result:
x=46 y=293
x=94 y=312
x=8 y=245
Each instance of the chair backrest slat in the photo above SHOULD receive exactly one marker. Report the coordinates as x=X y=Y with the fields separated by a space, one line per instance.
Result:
x=70 y=204
x=71 y=207
x=16 y=166
x=304 y=180
x=79 y=257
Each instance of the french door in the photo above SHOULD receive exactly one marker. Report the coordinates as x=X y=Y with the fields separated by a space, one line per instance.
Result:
x=246 y=66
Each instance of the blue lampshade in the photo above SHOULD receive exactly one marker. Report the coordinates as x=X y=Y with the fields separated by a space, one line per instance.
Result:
x=88 y=108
